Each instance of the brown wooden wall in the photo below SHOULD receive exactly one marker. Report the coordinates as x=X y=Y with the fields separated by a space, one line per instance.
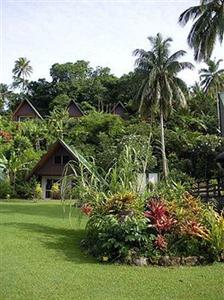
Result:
x=120 y=111
x=74 y=111
x=24 y=110
x=50 y=168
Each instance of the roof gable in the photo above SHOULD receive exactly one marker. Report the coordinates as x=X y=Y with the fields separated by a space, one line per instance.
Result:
x=73 y=153
x=51 y=151
x=74 y=109
x=119 y=109
x=26 y=103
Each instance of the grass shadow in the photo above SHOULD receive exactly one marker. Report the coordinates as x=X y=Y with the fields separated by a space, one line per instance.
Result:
x=65 y=241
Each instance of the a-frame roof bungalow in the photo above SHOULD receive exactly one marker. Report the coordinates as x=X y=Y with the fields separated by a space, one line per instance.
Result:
x=25 y=110
x=119 y=110
x=50 y=167
x=74 y=110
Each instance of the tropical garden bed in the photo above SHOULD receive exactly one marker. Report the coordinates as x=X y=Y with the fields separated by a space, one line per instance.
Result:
x=136 y=224
x=129 y=230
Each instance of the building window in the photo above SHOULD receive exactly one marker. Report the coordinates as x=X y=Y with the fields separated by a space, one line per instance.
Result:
x=24 y=118
x=57 y=160
x=48 y=194
x=65 y=159
x=61 y=160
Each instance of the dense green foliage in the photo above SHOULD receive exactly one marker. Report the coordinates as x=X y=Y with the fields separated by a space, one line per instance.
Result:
x=192 y=143
x=96 y=87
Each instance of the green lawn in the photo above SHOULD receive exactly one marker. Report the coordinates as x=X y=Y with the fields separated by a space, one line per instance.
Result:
x=40 y=258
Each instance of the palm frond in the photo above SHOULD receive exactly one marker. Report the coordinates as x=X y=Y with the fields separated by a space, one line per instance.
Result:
x=208 y=25
x=190 y=13
x=175 y=56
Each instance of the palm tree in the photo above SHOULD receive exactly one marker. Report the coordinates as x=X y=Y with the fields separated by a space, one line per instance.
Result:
x=161 y=88
x=208 y=25
x=195 y=89
x=212 y=78
x=21 y=71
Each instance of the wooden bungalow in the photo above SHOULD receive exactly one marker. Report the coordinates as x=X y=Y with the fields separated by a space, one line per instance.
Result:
x=24 y=111
x=49 y=168
x=74 y=110
x=119 y=109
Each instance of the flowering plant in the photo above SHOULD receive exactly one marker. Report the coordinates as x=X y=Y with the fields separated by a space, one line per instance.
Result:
x=159 y=215
x=5 y=135
x=195 y=229
x=87 y=209
x=161 y=242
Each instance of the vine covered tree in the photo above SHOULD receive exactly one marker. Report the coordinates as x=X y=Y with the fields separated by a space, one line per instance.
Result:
x=160 y=87
x=208 y=26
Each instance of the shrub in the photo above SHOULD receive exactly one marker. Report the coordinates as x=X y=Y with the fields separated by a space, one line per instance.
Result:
x=7 y=136
x=215 y=225
x=38 y=191
x=5 y=189
x=170 y=191
x=55 y=191
x=183 y=227
x=161 y=242
x=25 y=189
x=127 y=203
x=118 y=238
x=159 y=215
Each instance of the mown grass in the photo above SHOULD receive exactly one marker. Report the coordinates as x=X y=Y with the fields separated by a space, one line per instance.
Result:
x=40 y=258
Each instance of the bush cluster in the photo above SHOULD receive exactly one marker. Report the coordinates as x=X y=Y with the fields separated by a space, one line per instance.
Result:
x=122 y=230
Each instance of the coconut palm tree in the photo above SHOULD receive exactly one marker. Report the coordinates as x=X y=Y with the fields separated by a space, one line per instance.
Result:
x=161 y=88
x=208 y=26
x=212 y=77
x=21 y=71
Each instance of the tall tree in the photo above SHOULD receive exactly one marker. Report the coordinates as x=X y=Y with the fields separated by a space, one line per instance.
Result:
x=21 y=72
x=4 y=93
x=80 y=81
x=160 y=87
x=212 y=77
x=208 y=26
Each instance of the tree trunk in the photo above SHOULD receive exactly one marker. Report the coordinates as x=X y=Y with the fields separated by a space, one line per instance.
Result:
x=218 y=110
x=163 y=148
x=14 y=182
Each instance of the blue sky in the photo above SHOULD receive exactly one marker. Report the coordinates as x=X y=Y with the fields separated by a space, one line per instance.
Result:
x=104 y=32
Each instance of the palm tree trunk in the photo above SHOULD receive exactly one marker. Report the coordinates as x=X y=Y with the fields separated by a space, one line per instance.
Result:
x=218 y=109
x=164 y=159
